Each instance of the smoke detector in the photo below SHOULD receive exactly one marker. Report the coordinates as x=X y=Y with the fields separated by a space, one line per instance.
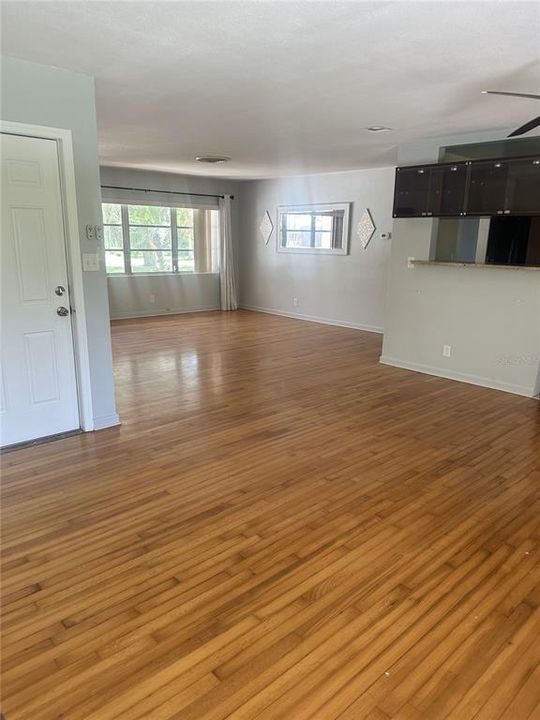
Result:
x=212 y=159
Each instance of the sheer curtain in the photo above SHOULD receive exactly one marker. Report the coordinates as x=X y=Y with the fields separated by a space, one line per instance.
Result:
x=202 y=241
x=228 y=285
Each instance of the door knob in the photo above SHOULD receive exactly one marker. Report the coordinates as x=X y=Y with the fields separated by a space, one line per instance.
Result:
x=59 y=290
x=62 y=311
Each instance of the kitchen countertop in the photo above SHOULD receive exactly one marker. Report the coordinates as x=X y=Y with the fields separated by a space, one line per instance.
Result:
x=488 y=266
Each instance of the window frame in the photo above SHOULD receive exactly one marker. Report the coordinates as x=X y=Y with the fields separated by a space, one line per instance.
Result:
x=173 y=227
x=175 y=242
x=132 y=250
x=123 y=248
x=313 y=210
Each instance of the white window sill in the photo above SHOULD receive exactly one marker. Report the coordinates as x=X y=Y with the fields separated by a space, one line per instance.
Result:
x=312 y=251
x=158 y=274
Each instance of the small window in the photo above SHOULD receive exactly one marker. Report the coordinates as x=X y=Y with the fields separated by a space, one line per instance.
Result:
x=314 y=229
x=113 y=238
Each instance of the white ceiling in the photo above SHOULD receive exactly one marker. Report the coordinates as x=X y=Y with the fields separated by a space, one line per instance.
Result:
x=284 y=87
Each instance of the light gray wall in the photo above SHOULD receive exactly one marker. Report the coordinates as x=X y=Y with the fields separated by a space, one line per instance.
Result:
x=342 y=289
x=42 y=95
x=131 y=296
x=144 y=295
x=490 y=316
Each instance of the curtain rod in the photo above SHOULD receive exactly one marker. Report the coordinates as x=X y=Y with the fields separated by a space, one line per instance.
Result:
x=164 y=192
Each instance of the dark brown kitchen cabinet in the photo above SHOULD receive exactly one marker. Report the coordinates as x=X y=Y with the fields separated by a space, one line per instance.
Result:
x=523 y=187
x=411 y=191
x=447 y=190
x=486 y=193
x=430 y=190
x=481 y=188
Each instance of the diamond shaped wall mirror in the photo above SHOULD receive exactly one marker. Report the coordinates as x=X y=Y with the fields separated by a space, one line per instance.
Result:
x=266 y=227
x=365 y=228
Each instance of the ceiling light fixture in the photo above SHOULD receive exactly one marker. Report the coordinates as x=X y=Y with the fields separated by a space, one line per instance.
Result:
x=212 y=159
x=378 y=128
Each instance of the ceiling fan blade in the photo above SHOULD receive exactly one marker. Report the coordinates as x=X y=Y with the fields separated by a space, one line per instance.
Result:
x=525 y=128
x=512 y=94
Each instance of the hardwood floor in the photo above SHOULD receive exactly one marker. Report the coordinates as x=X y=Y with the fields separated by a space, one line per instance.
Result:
x=281 y=528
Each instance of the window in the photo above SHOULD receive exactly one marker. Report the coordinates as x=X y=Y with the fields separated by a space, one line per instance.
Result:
x=150 y=239
x=314 y=228
x=113 y=238
x=153 y=239
x=186 y=247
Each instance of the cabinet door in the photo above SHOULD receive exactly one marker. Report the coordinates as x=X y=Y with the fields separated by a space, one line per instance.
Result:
x=523 y=187
x=447 y=190
x=411 y=192
x=487 y=188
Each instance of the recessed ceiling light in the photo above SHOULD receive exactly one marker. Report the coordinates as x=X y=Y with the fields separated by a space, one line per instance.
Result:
x=212 y=159
x=378 y=128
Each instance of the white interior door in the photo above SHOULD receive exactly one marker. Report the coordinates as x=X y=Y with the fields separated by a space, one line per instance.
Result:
x=38 y=391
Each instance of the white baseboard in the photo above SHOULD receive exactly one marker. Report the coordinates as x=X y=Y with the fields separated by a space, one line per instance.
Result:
x=156 y=313
x=460 y=377
x=106 y=421
x=315 y=318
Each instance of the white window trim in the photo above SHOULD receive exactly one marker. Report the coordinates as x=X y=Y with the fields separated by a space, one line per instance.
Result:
x=323 y=207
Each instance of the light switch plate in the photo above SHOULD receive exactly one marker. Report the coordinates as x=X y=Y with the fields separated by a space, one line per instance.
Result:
x=90 y=262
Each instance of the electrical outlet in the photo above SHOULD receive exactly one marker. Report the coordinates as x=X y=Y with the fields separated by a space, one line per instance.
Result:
x=295 y=301
x=152 y=298
x=410 y=263
x=446 y=350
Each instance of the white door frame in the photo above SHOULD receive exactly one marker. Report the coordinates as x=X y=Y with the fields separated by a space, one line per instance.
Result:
x=73 y=255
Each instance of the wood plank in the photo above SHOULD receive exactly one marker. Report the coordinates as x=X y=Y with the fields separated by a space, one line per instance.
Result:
x=281 y=527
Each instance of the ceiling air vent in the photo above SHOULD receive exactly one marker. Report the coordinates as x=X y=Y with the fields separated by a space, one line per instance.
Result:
x=378 y=128
x=212 y=159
